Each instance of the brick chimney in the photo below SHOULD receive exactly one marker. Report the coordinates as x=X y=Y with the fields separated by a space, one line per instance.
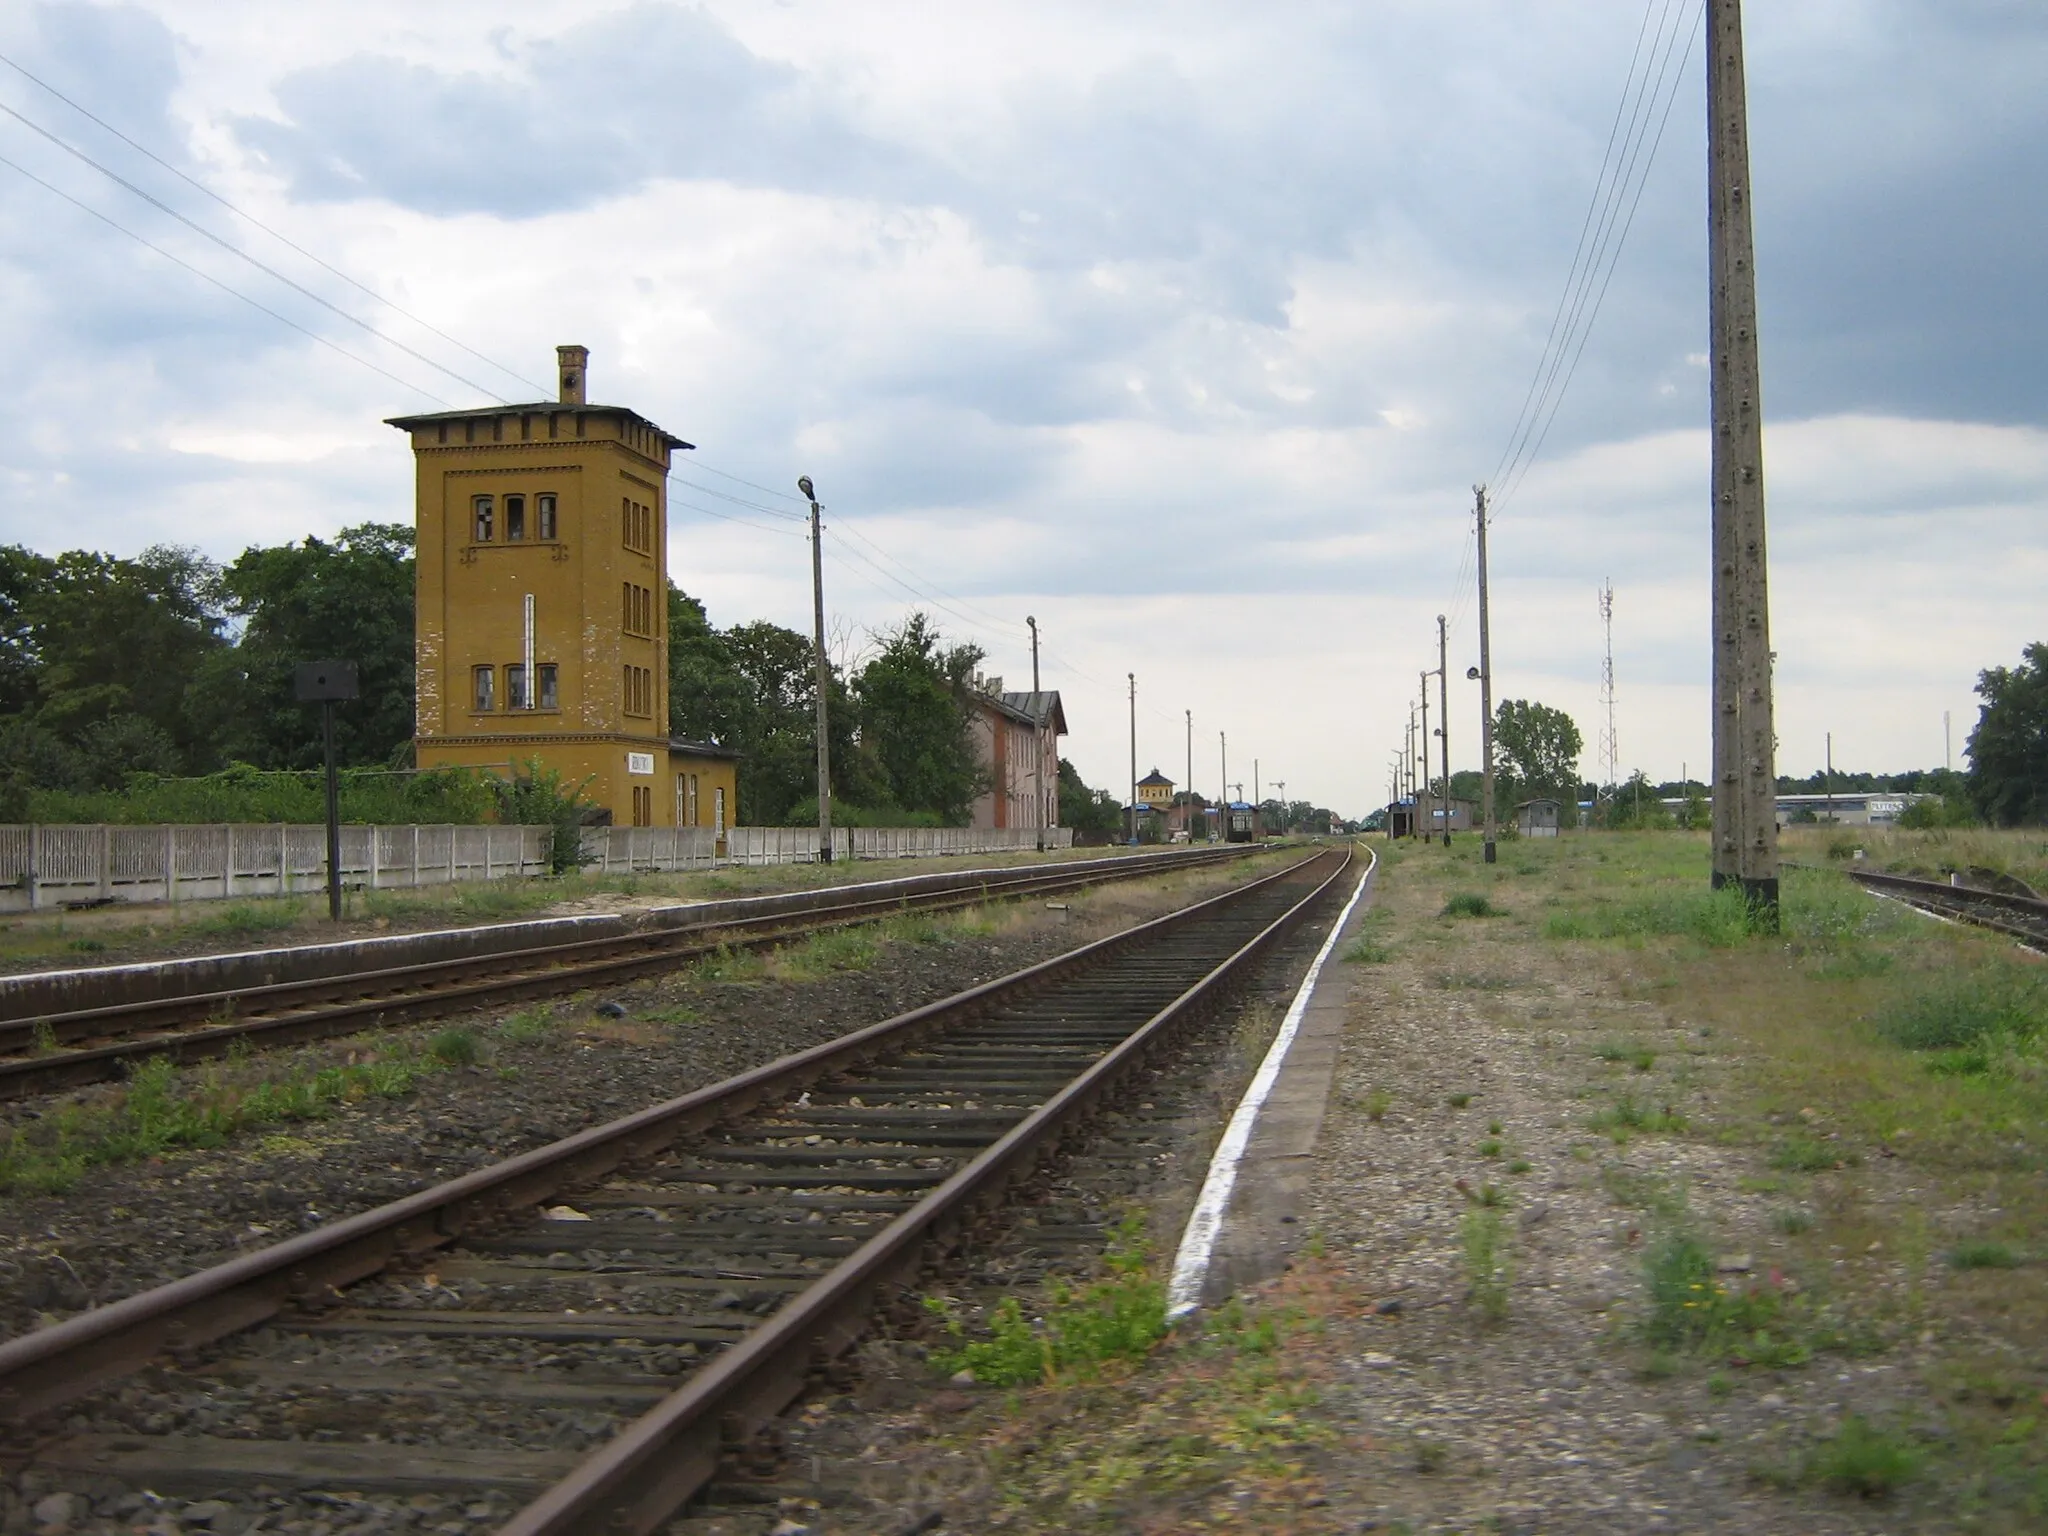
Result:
x=572 y=363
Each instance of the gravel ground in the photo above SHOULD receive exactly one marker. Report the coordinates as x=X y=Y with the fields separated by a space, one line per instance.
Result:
x=123 y=1228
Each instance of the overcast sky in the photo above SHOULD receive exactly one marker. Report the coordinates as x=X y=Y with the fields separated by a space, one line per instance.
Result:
x=1186 y=328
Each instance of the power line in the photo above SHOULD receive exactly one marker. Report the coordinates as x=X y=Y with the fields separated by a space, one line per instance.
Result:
x=244 y=214
x=729 y=518
x=223 y=287
x=236 y=251
x=1624 y=175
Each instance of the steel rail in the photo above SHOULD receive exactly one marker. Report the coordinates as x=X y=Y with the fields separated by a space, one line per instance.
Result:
x=291 y=1012
x=57 y=1364
x=643 y=1475
x=1965 y=903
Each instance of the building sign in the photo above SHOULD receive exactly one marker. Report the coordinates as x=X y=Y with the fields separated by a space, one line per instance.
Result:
x=640 y=762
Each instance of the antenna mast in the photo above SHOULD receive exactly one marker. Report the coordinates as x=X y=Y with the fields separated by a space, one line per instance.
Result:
x=1610 y=746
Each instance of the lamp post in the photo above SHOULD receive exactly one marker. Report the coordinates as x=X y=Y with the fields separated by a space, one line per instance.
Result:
x=1132 y=678
x=803 y=483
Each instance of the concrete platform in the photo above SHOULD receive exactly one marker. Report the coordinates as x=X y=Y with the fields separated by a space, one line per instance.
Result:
x=1246 y=1223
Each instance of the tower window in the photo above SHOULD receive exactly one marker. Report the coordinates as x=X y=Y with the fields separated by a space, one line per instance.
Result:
x=636 y=525
x=550 y=690
x=485 y=517
x=515 y=517
x=544 y=513
x=483 y=688
x=515 y=687
x=639 y=690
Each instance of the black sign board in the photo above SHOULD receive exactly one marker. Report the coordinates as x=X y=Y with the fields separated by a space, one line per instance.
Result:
x=324 y=682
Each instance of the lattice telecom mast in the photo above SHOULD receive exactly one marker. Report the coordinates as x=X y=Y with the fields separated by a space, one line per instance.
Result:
x=1610 y=746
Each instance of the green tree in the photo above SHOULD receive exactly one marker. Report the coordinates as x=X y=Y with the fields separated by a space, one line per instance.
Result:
x=118 y=646
x=1536 y=752
x=1085 y=809
x=912 y=696
x=2009 y=747
x=349 y=600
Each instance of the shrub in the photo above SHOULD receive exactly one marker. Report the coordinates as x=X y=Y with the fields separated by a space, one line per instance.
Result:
x=1864 y=1460
x=1470 y=904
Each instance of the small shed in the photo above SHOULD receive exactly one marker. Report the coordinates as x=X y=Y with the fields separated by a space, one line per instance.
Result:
x=1538 y=818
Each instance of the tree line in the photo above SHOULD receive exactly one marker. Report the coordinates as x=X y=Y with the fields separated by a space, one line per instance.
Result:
x=160 y=687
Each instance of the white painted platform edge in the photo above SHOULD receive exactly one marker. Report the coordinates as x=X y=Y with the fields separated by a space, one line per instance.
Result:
x=1198 y=1239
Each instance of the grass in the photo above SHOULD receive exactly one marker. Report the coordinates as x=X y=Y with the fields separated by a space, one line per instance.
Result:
x=454 y=1047
x=1376 y=1103
x=1489 y=1271
x=1983 y=1255
x=1367 y=950
x=162 y=1110
x=1625 y=1117
x=1470 y=904
x=1689 y=1308
x=251 y=919
x=1863 y=1460
x=2001 y=1008
x=1803 y=1154
x=527 y=1026
x=827 y=954
x=1120 y=1317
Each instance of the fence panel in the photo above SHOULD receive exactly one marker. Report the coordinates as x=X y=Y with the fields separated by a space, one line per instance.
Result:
x=48 y=866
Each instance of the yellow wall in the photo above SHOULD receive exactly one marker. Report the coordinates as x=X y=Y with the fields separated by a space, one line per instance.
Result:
x=597 y=462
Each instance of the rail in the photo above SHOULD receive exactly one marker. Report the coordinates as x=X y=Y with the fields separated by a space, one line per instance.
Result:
x=2021 y=917
x=211 y=1020
x=1080 y=1025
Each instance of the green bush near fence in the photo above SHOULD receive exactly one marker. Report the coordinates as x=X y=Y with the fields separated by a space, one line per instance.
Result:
x=530 y=795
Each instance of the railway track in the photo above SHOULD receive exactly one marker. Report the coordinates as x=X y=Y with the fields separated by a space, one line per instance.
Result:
x=698 y=1263
x=48 y=1051
x=2023 y=918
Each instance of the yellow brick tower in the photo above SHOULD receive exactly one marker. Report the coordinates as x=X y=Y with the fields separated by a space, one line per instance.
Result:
x=542 y=618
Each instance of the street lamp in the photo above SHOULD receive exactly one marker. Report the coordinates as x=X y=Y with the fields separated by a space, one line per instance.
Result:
x=803 y=483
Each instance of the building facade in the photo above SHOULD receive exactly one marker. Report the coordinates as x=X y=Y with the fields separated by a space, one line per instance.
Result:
x=542 y=618
x=1016 y=738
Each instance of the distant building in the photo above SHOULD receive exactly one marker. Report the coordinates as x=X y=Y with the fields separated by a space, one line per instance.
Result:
x=1155 y=791
x=1016 y=739
x=541 y=628
x=1539 y=818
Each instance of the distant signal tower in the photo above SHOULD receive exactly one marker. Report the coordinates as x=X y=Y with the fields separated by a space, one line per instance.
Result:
x=1610 y=747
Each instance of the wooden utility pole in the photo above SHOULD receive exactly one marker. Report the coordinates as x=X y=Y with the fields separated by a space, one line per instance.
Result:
x=1038 y=713
x=1443 y=699
x=1745 y=767
x=1187 y=801
x=1223 y=811
x=1485 y=683
x=803 y=484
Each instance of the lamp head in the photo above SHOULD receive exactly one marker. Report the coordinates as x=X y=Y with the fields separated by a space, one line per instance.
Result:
x=1472 y=673
x=803 y=483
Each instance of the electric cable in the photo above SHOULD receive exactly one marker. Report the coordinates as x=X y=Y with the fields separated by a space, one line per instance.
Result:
x=223 y=287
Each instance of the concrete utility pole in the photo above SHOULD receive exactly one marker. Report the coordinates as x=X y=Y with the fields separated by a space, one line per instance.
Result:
x=1282 y=784
x=1133 y=678
x=1426 y=796
x=1443 y=699
x=803 y=483
x=1485 y=683
x=1187 y=803
x=1256 y=821
x=1223 y=811
x=1831 y=778
x=1745 y=767
x=1037 y=737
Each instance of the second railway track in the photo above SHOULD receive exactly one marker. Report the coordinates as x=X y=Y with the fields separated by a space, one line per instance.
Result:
x=495 y=1336
x=47 y=1051
x=2021 y=917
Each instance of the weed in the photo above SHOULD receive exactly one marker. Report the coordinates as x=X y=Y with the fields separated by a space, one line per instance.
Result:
x=1720 y=1384
x=1642 y=1191
x=1376 y=1103
x=1520 y=1165
x=454 y=1047
x=1792 y=1221
x=1982 y=1255
x=2002 y=1003
x=678 y=1013
x=1493 y=1127
x=1470 y=904
x=1488 y=1272
x=1864 y=1460
x=1613 y=1050
x=1690 y=1308
x=245 y=918
x=1625 y=1116
x=1367 y=950
x=1802 y=1154
x=1120 y=1317
x=45 y=1040
x=1643 y=1060
x=913 y=928
x=1489 y=1147
x=1431 y=1456
x=527 y=1026
x=838 y=949
x=1459 y=1100
x=1718 y=919
x=1489 y=1197
x=736 y=966
x=86 y=946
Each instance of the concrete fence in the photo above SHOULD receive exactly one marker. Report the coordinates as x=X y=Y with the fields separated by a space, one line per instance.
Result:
x=622 y=849
x=48 y=866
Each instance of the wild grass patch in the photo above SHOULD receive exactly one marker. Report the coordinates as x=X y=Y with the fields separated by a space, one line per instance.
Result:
x=1470 y=904
x=1691 y=1309
x=1978 y=1007
x=1489 y=1268
x=1981 y=1254
x=527 y=1026
x=1628 y=1116
x=824 y=954
x=248 y=919
x=1864 y=1460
